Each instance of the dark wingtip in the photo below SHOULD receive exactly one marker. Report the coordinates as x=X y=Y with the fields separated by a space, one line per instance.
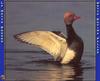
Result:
x=16 y=37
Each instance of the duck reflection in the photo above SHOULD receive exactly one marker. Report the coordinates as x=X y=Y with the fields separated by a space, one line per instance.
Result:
x=57 y=72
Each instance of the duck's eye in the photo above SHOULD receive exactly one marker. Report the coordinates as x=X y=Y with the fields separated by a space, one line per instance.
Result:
x=70 y=16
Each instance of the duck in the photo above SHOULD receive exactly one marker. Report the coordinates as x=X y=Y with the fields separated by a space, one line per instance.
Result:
x=64 y=49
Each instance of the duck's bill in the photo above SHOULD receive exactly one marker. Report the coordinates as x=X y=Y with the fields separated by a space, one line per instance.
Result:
x=76 y=17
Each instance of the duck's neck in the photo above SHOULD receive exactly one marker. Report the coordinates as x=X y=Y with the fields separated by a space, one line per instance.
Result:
x=71 y=32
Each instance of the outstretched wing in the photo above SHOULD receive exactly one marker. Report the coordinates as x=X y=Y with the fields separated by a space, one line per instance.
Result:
x=48 y=41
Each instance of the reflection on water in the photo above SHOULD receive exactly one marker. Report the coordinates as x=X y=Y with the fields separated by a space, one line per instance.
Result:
x=34 y=66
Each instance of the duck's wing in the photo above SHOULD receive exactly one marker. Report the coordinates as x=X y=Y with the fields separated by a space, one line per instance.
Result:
x=59 y=33
x=47 y=40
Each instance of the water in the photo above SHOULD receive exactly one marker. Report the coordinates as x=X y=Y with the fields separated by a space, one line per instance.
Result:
x=29 y=63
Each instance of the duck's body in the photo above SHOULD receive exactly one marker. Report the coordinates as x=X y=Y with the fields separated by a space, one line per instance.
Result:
x=65 y=50
x=75 y=43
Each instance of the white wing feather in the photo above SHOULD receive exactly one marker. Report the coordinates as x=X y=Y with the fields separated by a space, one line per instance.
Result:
x=48 y=41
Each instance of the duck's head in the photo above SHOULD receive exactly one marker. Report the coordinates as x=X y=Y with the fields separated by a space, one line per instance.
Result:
x=70 y=17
